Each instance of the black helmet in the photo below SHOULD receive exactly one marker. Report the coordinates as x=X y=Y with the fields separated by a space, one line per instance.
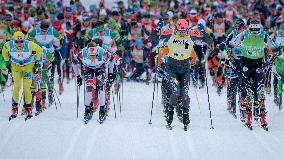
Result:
x=44 y=24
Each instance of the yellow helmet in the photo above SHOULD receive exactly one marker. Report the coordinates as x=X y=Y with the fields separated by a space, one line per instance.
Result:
x=18 y=35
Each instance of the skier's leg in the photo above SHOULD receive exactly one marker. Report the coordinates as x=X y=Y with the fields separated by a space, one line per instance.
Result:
x=27 y=89
x=184 y=87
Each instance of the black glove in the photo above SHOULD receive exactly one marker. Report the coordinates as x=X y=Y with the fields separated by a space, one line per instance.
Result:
x=79 y=81
x=36 y=67
x=111 y=77
x=8 y=65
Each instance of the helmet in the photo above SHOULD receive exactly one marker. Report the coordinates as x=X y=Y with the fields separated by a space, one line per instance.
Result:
x=44 y=24
x=239 y=22
x=18 y=35
x=111 y=22
x=181 y=24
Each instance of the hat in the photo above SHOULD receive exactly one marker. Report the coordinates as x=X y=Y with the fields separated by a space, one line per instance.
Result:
x=18 y=35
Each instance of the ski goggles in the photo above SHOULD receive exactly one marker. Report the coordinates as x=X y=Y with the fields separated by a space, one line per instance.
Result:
x=19 y=41
x=182 y=31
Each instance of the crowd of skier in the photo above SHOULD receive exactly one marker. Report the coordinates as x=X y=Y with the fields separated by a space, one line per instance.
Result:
x=236 y=44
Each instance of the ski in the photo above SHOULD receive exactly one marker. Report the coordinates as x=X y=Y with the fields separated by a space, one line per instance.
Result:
x=185 y=127
x=265 y=127
x=249 y=126
x=12 y=117
x=28 y=117
x=168 y=126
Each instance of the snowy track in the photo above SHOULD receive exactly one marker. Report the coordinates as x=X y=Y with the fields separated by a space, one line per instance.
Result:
x=58 y=134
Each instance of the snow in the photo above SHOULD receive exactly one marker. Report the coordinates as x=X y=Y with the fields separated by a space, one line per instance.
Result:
x=58 y=134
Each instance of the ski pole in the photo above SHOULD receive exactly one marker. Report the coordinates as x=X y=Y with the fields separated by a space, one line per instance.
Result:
x=78 y=100
x=113 y=104
x=209 y=104
x=57 y=97
x=150 y=122
x=119 y=101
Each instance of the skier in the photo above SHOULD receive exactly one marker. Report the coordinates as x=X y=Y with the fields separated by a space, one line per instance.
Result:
x=179 y=49
x=253 y=40
x=232 y=65
x=41 y=80
x=44 y=35
x=94 y=59
x=200 y=48
x=22 y=59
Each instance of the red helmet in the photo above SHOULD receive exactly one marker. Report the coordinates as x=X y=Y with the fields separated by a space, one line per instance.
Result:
x=181 y=24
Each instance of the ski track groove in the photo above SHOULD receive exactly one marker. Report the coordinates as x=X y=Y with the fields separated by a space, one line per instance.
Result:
x=74 y=140
x=190 y=143
x=10 y=133
x=173 y=145
x=265 y=145
x=91 y=143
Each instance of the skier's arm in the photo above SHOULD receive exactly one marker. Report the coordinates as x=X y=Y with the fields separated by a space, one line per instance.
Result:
x=5 y=51
x=31 y=35
x=236 y=41
x=162 y=52
x=117 y=40
x=88 y=37
x=272 y=45
x=57 y=35
x=38 y=50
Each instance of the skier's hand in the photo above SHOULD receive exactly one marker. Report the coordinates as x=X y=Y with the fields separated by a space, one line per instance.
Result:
x=200 y=27
x=36 y=67
x=79 y=81
x=8 y=65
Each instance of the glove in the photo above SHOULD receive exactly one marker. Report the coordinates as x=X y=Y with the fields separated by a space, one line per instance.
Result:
x=36 y=67
x=200 y=27
x=8 y=65
x=79 y=81
x=110 y=77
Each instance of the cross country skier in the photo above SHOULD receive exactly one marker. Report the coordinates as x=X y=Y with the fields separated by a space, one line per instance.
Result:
x=22 y=59
x=179 y=48
x=232 y=65
x=44 y=35
x=253 y=41
x=94 y=59
x=41 y=80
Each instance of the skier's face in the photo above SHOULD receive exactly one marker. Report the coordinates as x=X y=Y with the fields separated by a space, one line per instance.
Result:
x=19 y=44
x=101 y=32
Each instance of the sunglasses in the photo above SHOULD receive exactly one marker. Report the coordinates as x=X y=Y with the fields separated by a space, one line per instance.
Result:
x=19 y=41
x=44 y=29
x=182 y=31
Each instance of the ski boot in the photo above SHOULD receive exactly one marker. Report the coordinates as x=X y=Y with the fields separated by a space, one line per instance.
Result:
x=186 y=121
x=263 y=120
x=179 y=110
x=102 y=114
x=248 y=119
x=219 y=90
x=169 y=119
x=14 y=111
x=29 y=111
x=38 y=108
x=50 y=98
x=43 y=104
x=229 y=105
x=242 y=115
x=61 y=88
x=88 y=114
